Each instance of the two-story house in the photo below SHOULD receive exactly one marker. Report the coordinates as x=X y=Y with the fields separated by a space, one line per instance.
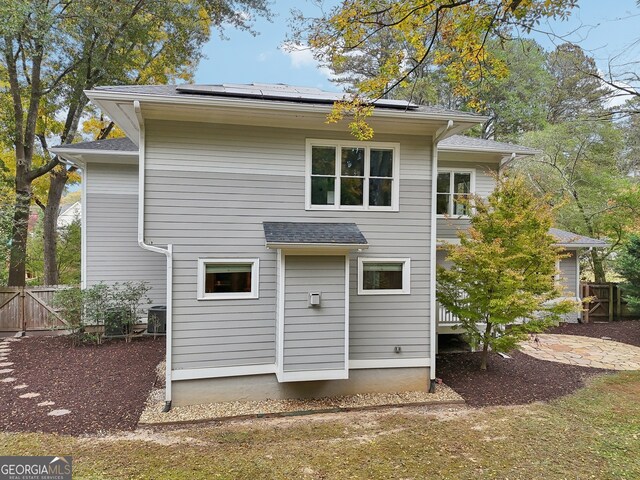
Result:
x=294 y=261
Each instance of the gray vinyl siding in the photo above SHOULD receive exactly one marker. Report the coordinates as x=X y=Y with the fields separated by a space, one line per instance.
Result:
x=112 y=251
x=314 y=336
x=485 y=184
x=568 y=273
x=208 y=190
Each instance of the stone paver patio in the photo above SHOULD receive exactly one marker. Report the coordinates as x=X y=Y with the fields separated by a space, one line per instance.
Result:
x=583 y=351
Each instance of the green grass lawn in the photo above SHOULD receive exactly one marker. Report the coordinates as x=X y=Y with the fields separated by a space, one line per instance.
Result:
x=594 y=433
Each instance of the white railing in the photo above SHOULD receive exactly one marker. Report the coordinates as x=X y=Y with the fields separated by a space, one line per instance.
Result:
x=445 y=317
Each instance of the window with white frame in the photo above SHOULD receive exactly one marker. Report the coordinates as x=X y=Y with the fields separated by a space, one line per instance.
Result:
x=227 y=279
x=352 y=177
x=454 y=186
x=384 y=276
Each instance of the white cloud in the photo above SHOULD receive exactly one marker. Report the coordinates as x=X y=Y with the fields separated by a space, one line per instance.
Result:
x=301 y=56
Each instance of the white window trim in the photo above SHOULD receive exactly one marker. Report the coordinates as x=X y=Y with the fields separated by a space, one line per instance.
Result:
x=255 y=272
x=395 y=188
x=406 y=276
x=472 y=188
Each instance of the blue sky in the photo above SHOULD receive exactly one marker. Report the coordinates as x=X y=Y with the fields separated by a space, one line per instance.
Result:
x=603 y=28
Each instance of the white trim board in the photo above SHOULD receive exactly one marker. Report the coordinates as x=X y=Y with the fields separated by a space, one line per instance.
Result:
x=220 y=372
x=313 y=375
x=390 y=363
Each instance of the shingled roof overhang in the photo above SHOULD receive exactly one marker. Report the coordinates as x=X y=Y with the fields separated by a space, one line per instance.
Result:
x=276 y=105
x=573 y=240
x=337 y=236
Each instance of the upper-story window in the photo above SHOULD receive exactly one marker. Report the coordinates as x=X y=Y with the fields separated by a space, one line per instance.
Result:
x=361 y=176
x=454 y=185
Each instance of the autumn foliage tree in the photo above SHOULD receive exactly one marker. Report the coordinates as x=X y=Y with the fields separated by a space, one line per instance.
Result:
x=502 y=280
x=451 y=34
x=51 y=51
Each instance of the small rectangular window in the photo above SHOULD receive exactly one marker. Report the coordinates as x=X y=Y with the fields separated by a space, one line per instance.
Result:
x=383 y=276
x=227 y=279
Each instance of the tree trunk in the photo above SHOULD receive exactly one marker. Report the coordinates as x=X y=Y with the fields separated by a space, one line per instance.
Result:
x=598 y=268
x=17 y=265
x=485 y=347
x=58 y=179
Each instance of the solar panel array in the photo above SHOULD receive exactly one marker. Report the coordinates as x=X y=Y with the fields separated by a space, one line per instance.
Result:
x=284 y=92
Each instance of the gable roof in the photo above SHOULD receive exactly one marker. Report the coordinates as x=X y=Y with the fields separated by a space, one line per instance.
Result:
x=313 y=234
x=569 y=239
x=458 y=143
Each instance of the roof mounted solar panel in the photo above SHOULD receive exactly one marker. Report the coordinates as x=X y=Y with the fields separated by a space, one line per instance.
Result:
x=284 y=92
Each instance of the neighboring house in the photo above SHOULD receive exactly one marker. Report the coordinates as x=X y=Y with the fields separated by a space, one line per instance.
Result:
x=294 y=260
x=69 y=214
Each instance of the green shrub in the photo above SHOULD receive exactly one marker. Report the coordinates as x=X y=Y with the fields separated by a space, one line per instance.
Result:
x=115 y=307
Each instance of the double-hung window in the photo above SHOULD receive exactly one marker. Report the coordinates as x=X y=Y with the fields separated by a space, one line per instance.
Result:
x=454 y=188
x=362 y=176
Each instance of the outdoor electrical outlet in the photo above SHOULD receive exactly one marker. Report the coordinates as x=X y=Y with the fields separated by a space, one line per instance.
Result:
x=397 y=349
x=314 y=299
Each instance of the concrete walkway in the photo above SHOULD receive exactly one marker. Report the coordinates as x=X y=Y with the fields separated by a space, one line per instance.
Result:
x=583 y=351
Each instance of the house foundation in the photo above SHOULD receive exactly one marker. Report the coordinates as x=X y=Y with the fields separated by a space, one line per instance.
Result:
x=263 y=387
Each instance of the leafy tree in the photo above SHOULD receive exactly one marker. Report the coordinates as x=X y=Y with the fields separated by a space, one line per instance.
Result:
x=52 y=51
x=575 y=91
x=517 y=102
x=503 y=271
x=68 y=254
x=580 y=169
x=449 y=33
x=628 y=265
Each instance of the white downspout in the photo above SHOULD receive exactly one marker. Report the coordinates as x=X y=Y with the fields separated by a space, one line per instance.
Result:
x=168 y=251
x=432 y=255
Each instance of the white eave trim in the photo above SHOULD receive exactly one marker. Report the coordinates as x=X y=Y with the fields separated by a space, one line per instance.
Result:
x=446 y=148
x=89 y=151
x=214 y=101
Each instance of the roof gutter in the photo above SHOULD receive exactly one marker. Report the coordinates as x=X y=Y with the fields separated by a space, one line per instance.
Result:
x=168 y=251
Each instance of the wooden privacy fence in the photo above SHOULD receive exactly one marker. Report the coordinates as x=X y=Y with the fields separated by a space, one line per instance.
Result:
x=607 y=302
x=25 y=309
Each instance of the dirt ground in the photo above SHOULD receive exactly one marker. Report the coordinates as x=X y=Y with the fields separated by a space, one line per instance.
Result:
x=627 y=331
x=103 y=387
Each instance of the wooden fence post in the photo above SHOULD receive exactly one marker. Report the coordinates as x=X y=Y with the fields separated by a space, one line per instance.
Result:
x=611 y=302
x=23 y=310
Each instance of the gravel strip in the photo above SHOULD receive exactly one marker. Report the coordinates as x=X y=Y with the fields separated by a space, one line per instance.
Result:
x=152 y=414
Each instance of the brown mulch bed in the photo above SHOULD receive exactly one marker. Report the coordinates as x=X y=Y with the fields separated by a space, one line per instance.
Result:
x=627 y=331
x=517 y=380
x=104 y=387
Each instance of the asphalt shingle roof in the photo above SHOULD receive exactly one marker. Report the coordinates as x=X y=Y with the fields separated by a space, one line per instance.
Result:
x=313 y=233
x=270 y=92
x=568 y=239
x=109 y=144
x=463 y=142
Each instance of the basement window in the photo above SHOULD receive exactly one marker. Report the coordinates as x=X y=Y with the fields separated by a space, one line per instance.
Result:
x=384 y=276
x=227 y=279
